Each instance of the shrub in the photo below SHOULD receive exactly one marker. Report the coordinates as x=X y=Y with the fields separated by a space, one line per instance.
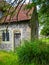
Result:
x=35 y=52
x=45 y=30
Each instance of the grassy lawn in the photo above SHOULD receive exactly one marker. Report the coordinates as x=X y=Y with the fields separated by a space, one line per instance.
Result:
x=45 y=40
x=8 y=58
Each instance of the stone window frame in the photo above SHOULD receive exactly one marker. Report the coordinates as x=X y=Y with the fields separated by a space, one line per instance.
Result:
x=6 y=42
x=4 y=33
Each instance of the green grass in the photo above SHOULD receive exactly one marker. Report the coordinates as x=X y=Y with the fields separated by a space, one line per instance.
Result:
x=7 y=58
x=45 y=40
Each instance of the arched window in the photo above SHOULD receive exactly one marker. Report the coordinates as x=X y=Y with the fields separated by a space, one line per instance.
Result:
x=5 y=35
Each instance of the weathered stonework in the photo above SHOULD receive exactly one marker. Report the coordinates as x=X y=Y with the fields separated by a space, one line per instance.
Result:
x=25 y=34
x=4 y=46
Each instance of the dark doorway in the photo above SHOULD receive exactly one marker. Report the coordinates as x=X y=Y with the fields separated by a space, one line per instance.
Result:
x=17 y=39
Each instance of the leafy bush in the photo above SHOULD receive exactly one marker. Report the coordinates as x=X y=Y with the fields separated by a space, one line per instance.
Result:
x=33 y=53
x=45 y=30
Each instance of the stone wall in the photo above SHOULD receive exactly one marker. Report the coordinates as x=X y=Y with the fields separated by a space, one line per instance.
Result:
x=4 y=46
x=25 y=34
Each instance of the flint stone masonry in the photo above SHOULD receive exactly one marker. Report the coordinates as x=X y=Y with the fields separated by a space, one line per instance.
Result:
x=25 y=34
x=4 y=46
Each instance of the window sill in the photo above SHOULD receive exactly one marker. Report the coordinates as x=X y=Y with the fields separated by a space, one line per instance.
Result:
x=6 y=42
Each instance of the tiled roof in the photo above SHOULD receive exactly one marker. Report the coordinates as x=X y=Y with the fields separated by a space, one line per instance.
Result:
x=21 y=16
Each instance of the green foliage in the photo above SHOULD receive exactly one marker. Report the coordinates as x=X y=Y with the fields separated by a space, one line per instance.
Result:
x=4 y=7
x=29 y=53
x=45 y=40
x=29 y=6
x=33 y=53
x=43 y=12
x=7 y=58
x=45 y=30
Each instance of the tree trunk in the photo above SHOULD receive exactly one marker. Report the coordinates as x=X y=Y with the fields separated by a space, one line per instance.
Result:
x=34 y=25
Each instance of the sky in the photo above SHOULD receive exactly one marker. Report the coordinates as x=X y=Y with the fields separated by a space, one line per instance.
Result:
x=13 y=0
x=25 y=2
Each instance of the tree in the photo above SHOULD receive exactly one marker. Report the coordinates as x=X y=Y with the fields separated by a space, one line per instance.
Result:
x=45 y=30
x=43 y=15
x=44 y=18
